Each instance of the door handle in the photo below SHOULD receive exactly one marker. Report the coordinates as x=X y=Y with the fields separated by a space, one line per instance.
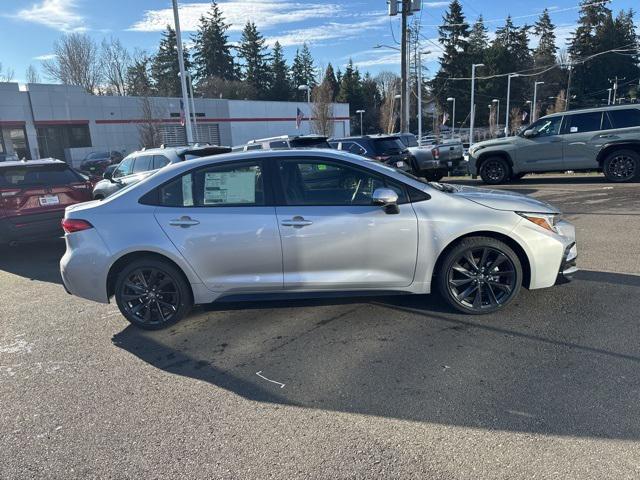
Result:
x=296 y=221
x=607 y=136
x=184 y=222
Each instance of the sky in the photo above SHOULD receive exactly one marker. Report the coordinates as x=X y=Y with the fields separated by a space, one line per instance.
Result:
x=334 y=30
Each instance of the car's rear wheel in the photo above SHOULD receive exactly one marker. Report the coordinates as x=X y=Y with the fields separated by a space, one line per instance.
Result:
x=495 y=170
x=152 y=294
x=622 y=166
x=480 y=275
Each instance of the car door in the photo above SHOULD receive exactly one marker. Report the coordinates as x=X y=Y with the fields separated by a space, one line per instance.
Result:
x=220 y=219
x=542 y=151
x=583 y=137
x=333 y=236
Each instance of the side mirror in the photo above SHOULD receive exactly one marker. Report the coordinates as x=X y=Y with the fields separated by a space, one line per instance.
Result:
x=528 y=133
x=387 y=199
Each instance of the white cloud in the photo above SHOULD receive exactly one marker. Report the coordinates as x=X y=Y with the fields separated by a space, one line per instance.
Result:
x=434 y=4
x=48 y=56
x=58 y=14
x=264 y=13
x=328 y=31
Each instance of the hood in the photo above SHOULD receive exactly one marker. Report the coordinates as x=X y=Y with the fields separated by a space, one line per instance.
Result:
x=504 y=200
x=495 y=142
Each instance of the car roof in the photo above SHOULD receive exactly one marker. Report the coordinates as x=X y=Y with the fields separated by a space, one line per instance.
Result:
x=377 y=136
x=286 y=137
x=594 y=109
x=32 y=163
x=185 y=149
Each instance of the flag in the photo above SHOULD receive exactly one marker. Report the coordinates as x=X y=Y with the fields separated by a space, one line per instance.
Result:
x=299 y=116
x=524 y=116
x=445 y=118
x=182 y=120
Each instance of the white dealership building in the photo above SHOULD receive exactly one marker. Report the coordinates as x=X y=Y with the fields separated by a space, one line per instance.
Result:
x=66 y=122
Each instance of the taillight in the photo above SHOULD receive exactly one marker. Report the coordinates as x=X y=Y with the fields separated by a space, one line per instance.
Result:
x=9 y=197
x=436 y=153
x=71 y=225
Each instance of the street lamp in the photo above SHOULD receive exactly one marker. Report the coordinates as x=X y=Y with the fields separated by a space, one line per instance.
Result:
x=534 y=114
x=473 y=107
x=506 y=116
x=453 y=114
x=308 y=89
x=193 y=105
x=360 y=112
x=496 y=101
x=426 y=52
x=609 y=99
x=528 y=102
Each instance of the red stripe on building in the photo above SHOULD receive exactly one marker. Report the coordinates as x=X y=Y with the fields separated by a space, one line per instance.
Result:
x=12 y=123
x=210 y=120
x=45 y=123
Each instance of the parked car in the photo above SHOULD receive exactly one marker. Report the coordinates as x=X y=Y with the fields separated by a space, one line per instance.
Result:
x=387 y=149
x=33 y=196
x=141 y=164
x=284 y=142
x=435 y=160
x=311 y=221
x=606 y=139
x=96 y=163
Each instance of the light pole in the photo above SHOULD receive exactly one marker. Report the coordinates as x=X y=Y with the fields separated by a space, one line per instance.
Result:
x=534 y=113
x=193 y=105
x=426 y=52
x=453 y=114
x=308 y=89
x=183 y=77
x=506 y=116
x=360 y=112
x=609 y=99
x=473 y=99
x=528 y=102
x=497 y=102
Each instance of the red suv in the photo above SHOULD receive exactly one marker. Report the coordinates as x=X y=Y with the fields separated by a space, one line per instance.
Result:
x=33 y=196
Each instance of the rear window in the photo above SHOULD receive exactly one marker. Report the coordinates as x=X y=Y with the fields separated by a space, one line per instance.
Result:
x=409 y=140
x=41 y=175
x=310 y=143
x=388 y=146
x=629 y=117
x=97 y=155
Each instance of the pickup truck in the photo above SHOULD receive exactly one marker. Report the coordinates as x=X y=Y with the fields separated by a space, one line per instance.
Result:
x=436 y=160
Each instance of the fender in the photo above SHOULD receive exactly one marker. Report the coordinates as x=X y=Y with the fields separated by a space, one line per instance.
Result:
x=607 y=147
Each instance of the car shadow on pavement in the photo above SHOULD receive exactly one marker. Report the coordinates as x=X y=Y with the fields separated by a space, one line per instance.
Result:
x=35 y=261
x=561 y=361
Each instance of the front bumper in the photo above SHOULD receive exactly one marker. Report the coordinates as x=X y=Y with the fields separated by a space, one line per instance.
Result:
x=568 y=266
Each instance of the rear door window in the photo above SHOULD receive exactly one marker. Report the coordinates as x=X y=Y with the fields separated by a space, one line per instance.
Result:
x=35 y=176
x=143 y=164
x=159 y=161
x=582 y=122
x=628 y=117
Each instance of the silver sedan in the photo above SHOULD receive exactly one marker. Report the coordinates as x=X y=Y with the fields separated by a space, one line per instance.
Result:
x=275 y=222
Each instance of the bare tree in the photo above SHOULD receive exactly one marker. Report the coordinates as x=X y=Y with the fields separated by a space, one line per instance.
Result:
x=561 y=101
x=115 y=61
x=6 y=75
x=515 y=122
x=322 y=110
x=388 y=85
x=31 y=75
x=149 y=132
x=76 y=62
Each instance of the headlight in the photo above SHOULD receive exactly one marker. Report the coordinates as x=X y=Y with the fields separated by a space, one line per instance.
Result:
x=545 y=220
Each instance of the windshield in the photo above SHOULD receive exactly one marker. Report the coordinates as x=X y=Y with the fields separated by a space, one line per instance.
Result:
x=97 y=155
x=388 y=146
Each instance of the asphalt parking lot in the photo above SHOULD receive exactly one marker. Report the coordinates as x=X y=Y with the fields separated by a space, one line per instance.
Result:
x=392 y=387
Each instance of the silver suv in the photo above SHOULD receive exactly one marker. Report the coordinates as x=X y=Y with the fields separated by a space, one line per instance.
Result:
x=605 y=139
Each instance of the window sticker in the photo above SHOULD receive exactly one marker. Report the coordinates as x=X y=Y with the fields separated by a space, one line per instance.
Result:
x=230 y=187
x=187 y=191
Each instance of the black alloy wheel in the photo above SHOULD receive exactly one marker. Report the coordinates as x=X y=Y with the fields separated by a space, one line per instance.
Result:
x=480 y=275
x=495 y=170
x=622 y=166
x=152 y=294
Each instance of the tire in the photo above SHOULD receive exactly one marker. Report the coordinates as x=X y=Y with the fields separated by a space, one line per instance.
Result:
x=622 y=166
x=495 y=170
x=433 y=175
x=470 y=289
x=153 y=294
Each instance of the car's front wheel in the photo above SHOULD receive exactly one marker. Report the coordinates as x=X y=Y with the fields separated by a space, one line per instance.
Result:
x=480 y=275
x=152 y=294
x=495 y=170
x=622 y=166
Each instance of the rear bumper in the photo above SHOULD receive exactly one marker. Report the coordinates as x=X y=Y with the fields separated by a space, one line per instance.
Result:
x=31 y=227
x=568 y=266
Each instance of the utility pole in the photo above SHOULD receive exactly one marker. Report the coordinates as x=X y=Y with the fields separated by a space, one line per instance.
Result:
x=615 y=87
x=566 y=104
x=183 y=77
x=535 y=101
x=419 y=82
x=473 y=99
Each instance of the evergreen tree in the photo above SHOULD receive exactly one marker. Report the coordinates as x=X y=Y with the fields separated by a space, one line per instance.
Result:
x=302 y=69
x=280 y=82
x=478 y=41
x=138 y=78
x=165 y=67
x=330 y=78
x=455 y=61
x=255 y=60
x=372 y=99
x=351 y=92
x=545 y=53
x=212 y=53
